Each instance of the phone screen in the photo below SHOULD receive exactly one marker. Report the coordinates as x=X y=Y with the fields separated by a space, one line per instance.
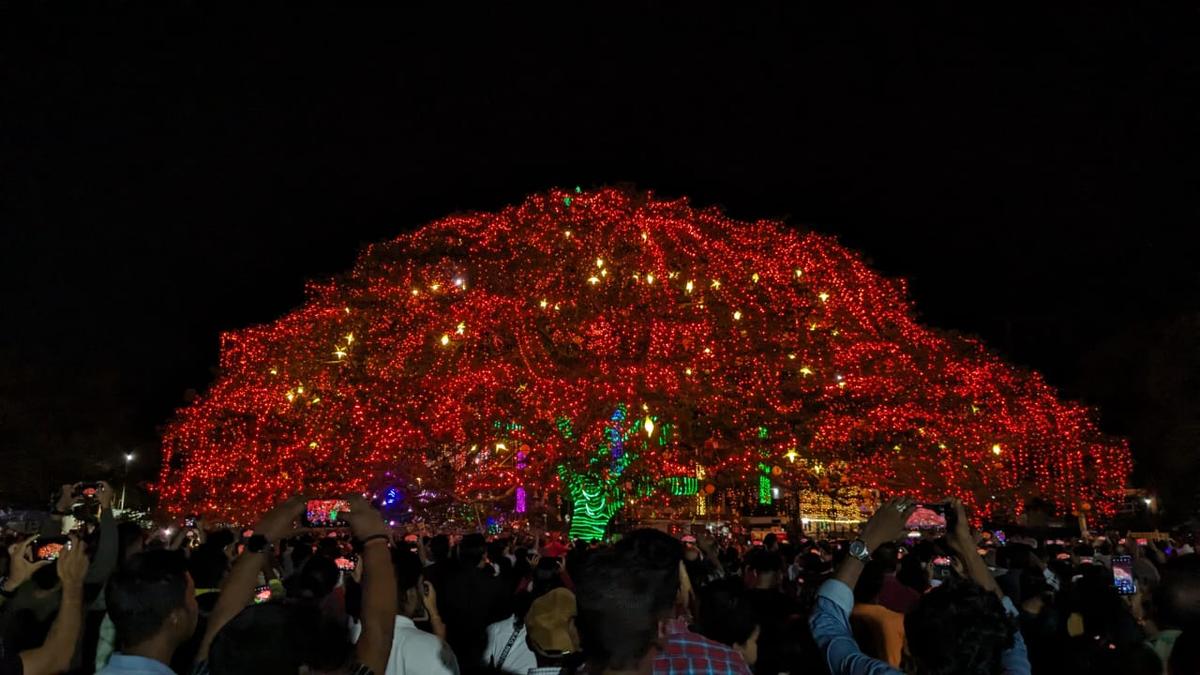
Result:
x=189 y=521
x=49 y=548
x=1000 y=537
x=346 y=563
x=1063 y=556
x=326 y=513
x=1122 y=567
x=261 y=594
x=1141 y=541
x=927 y=517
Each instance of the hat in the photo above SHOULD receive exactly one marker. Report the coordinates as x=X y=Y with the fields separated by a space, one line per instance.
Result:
x=549 y=622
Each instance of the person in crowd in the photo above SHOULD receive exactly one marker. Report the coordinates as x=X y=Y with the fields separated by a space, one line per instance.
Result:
x=286 y=637
x=414 y=651
x=152 y=603
x=619 y=615
x=878 y=630
x=726 y=616
x=473 y=599
x=55 y=654
x=1175 y=607
x=894 y=594
x=681 y=650
x=964 y=627
x=551 y=633
x=772 y=607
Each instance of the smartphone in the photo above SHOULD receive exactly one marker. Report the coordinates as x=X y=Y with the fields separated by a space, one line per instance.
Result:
x=941 y=567
x=189 y=521
x=49 y=548
x=87 y=490
x=346 y=563
x=928 y=517
x=1000 y=537
x=325 y=513
x=262 y=594
x=1063 y=556
x=1122 y=567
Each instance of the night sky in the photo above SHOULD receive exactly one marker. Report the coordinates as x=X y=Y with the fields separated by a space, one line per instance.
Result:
x=167 y=176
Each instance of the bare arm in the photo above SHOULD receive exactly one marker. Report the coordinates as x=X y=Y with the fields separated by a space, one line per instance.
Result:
x=378 y=587
x=238 y=590
x=55 y=654
x=963 y=545
x=107 y=550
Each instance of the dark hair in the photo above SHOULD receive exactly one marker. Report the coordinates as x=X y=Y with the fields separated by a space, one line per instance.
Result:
x=761 y=560
x=888 y=555
x=657 y=551
x=958 y=628
x=1176 y=600
x=439 y=547
x=870 y=583
x=128 y=533
x=617 y=597
x=277 y=639
x=221 y=538
x=143 y=594
x=408 y=570
x=208 y=565
x=769 y=540
x=471 y=549
x=315 y=580
x=725 y=612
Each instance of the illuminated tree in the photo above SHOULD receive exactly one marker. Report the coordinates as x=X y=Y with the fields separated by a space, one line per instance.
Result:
x=617 y=350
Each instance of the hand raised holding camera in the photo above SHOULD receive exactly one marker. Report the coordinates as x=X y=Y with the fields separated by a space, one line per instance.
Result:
x=364 y=520
x=21 y=564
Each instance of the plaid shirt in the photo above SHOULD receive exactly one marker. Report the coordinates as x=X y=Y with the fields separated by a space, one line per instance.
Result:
x=686 y=653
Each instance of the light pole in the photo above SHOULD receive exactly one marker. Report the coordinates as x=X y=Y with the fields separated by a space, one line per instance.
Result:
x=125 y=481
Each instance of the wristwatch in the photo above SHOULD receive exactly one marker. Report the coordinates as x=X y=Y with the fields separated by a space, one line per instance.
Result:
x=860 y=550
x=257 y=544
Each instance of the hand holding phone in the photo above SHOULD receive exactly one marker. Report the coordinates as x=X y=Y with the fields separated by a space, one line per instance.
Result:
x=346 y=563
x=1123 y=579
x=262 y=594
x=49 y=548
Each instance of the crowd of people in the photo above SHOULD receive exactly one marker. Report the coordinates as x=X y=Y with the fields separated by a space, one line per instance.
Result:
x=105 y=596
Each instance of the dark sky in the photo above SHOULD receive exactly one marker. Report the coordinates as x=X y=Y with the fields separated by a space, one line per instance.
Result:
x=170 y=175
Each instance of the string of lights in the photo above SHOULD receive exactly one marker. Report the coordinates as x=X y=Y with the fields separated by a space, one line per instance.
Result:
x=486 y=353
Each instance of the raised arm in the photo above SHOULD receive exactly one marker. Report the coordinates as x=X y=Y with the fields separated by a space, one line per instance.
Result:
x=55 y=654
x=105 y=561
x=379 y=603
x=239 y=585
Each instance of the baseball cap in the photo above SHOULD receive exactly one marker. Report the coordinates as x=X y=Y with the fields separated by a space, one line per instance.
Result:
x=549 y=622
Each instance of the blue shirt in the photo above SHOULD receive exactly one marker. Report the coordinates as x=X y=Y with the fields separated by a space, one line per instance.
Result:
x=124 y=664
x=830 y=623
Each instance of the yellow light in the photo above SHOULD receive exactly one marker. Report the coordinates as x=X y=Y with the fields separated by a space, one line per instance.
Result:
x=416 y=292
x=707 y=350
x=754 y=277
x=567 y=234
x=436 y=286
x=792 y=455
x=648 y=425
x=941 y=446
x=672 y=275
x=792 y=357
x=649 y=278
x=458 y=282
x=841 y=385
x=645 y=236
x=290 y=396
x=687 y=371
x=500 y=447
x=543 y=303
x=462 y=328
x=715 y=285
x=996 y=449
x=823 y=296
x=599 y=262
x=593 y=280
x=812 y=326
x=312 y=445
x=799 y=273
x=316 y=399
x=603 y=273
x=689 y=286
x=806 y=371
x=445 y=340
x=347 y=310
x=274 y=371
x=349 y=338
x=737 y=316
x=557 y=307
x=300 y=389
x=340 y=353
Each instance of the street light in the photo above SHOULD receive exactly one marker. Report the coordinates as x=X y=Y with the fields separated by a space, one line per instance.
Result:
x=125 y=481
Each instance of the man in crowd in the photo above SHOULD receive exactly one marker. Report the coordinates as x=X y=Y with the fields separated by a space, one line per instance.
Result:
x=961 y=627
x=54 y=656
x=152 y=603
x=551 y=632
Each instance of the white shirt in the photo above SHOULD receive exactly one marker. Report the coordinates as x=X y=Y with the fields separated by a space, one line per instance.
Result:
x=415 y=652
x=520 y=659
